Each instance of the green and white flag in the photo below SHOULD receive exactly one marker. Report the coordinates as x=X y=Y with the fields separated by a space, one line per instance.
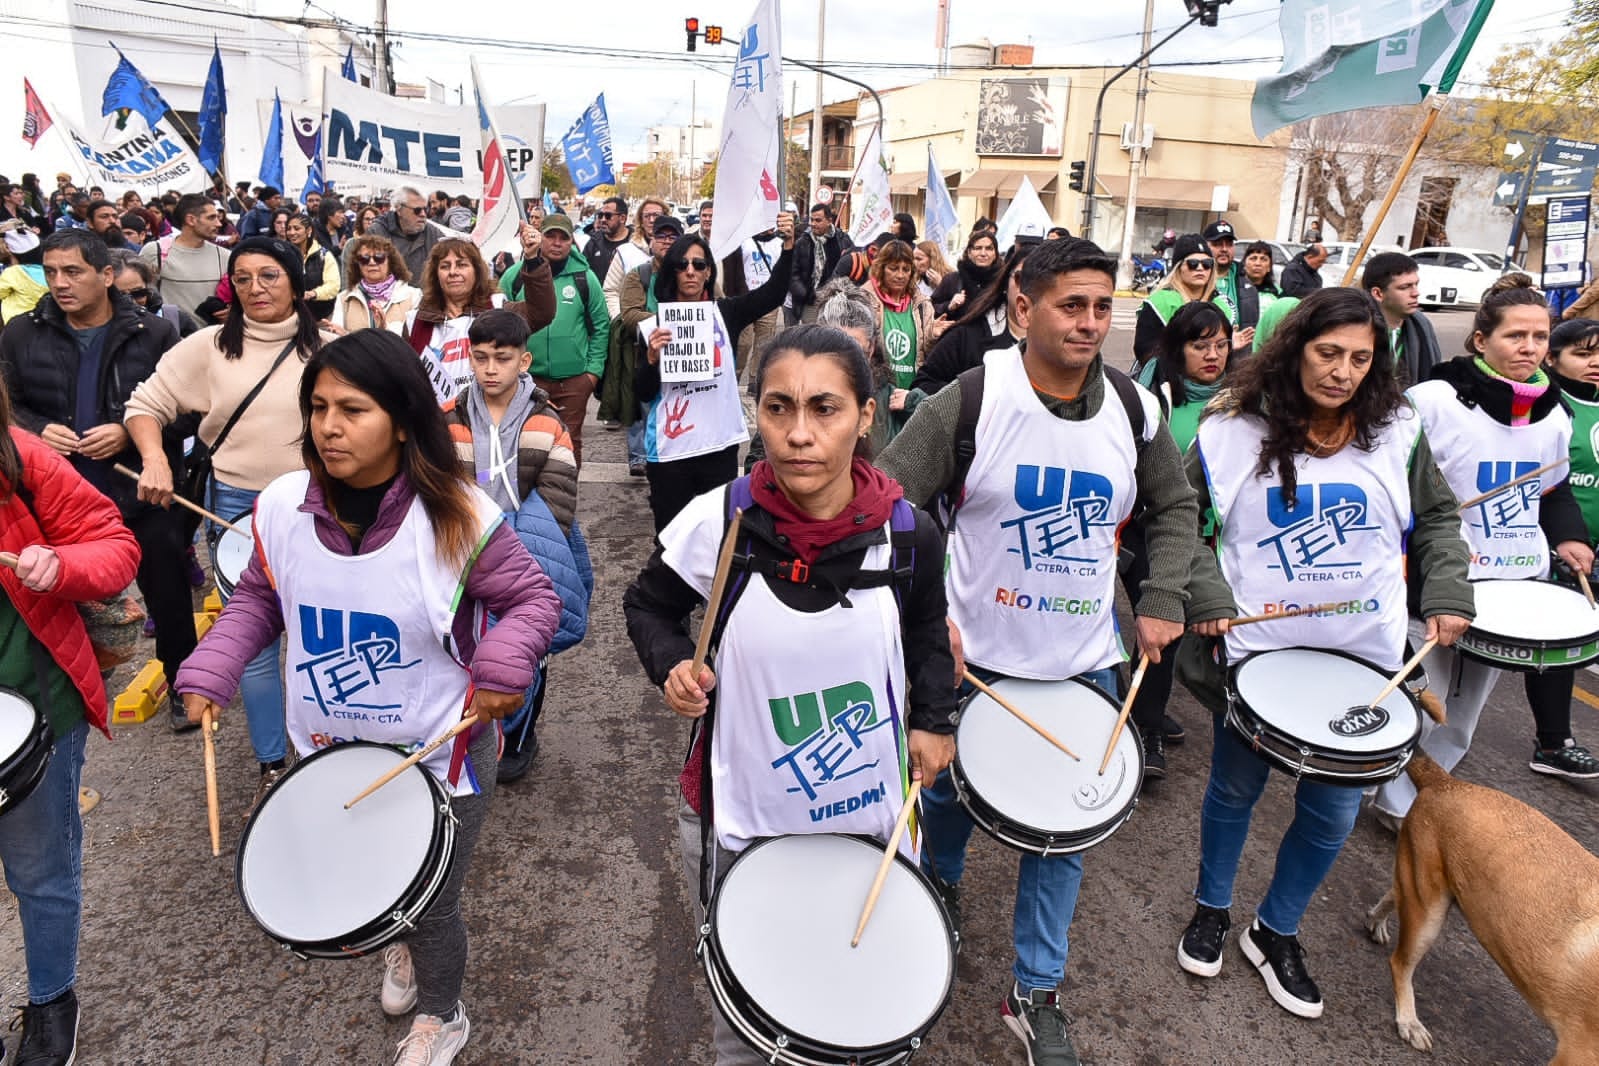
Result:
x=1341 y=55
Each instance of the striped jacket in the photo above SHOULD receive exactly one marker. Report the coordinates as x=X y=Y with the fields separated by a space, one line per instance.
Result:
x=544 y=460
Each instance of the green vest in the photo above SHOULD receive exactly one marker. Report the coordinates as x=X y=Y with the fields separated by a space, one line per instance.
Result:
x=1585 y=461
x=1167 y=301
x=899 y=344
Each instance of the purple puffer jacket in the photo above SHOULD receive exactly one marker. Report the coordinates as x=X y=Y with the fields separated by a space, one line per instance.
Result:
x=505 y=579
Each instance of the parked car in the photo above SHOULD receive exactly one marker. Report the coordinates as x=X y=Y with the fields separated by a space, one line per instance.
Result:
x=1458 y=276
x=1282 y=252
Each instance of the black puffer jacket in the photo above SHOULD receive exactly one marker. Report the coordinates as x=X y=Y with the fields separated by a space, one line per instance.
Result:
x=968 y=278
x=39 y=360
x=802 y=285
x=957 y=351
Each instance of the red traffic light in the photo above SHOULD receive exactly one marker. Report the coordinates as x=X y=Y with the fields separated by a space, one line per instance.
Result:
x=691 y=25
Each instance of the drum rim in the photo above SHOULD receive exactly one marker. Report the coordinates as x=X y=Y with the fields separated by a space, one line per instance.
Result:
x=1230 y=688
x=437 y=855
x=739 y=1003
x=30 y=760
x=1043 y=841
x=1524 y=642
x=225 y=584
x=1392 y=763
x=1247 y=717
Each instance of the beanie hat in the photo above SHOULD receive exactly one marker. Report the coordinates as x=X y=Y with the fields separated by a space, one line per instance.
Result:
x=1189 y=244
x=287 y=256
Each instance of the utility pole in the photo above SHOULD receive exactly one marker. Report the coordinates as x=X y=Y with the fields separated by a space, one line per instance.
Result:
x=385 y=70
x=816 y=112
x=1135 y=164
x=693 y=126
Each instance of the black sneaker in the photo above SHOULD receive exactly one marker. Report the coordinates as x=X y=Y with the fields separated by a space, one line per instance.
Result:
x=1281 y=962
x=1174 y=731
x=517 y=761
x=1569 y=760
x=180 y=717
x=49 y=1032
x=1199 y=951
x=950 y=896
x=1154 y=756
x=1040 y=1023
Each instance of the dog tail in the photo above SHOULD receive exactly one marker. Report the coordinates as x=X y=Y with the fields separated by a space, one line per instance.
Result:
x=1425 y=773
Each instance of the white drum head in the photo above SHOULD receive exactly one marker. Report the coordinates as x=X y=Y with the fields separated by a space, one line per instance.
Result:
x=784 y=916
x=1027 y=779
x=310 y=870
x=1537 y=611
x=18 y=720
x=1318 y=698
x=234 y=550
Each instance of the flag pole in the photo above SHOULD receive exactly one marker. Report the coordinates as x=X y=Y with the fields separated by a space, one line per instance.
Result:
x=1435 y=106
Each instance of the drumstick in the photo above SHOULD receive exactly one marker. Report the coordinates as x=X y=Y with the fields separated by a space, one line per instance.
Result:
x=1297 y=612
x=724 y=563
x=888 y=860
x=212 y=812
x=8 y=559
x=181 y=502
x=415 y=757
x=1127 y=708
x=1393 y=682
x=1512 y=483
x=1013 y=709
x=1587 y=589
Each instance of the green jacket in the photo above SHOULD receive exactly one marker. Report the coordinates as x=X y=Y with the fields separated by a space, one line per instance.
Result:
x=575 y=342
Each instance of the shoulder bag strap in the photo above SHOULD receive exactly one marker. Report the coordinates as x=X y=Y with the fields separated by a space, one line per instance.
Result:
x=238 y=412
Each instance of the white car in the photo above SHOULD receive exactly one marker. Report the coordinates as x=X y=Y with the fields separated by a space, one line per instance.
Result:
x=1341 y=253
x=1457 y=276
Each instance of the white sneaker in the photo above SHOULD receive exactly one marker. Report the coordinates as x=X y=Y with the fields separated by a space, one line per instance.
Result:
x=432 y=1042
x=399 y=980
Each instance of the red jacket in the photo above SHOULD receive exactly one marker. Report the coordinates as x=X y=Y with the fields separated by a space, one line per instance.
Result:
x=98 y=559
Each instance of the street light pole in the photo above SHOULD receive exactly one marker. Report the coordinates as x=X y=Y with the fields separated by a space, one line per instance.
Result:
x=816 y=112
x=1135 y=163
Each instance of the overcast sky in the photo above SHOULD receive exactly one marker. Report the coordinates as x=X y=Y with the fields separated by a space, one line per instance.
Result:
x=643 y=92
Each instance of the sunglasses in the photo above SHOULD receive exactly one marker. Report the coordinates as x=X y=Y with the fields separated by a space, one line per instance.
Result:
x=372 y=259
x=137 y=294
x=701 y=265
x=606 y=214
x=1199 y=264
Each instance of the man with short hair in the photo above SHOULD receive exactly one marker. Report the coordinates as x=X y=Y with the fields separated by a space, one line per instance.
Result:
x=407 y=228
x=635 y=304
x=611 y=231
x=313 y=203
x=1063 y=451
x=1394 y=281
x=1243 y=299
x=257 y=222
x=1303 y=276
x=438 y=204
x=816 y=255
x=105 y=222
x=188 y=263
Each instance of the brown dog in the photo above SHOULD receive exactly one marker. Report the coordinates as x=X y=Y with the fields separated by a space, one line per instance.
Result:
x=1528 y=890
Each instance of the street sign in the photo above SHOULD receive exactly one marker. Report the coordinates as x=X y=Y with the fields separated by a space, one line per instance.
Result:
x=1517 y=144
x=824 y=195
x=1565 y=242
x=1508 y=191
x=1565 y=168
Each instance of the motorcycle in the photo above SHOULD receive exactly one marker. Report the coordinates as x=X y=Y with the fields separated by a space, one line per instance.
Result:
x=1147 y=273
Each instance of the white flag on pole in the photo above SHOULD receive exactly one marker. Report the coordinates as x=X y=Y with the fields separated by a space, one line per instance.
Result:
x=941 y=218
x=1025 y=217
x=746 y=197
x=871 y=204
x=499 y=217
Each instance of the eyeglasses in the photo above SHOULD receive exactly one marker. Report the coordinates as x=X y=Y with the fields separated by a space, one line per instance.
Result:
x=407 y=207
x=605 y=214
x=372 y=258
x=1199 y=264
x=700 y=265
x=267 y=278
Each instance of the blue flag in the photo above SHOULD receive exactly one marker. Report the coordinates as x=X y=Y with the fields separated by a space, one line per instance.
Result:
x=587 y=148
x=940 y=215
x=550 y=206
x=348 y=70
x=271 y=172
x=213 y=112
x=127 y=91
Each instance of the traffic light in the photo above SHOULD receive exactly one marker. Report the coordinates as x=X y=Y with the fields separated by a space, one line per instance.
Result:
x=1206 y=11
x=693 y=28
x=1079 y=167
x=713 y=35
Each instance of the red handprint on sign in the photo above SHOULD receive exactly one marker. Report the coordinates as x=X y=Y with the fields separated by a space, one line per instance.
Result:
x=676 y=412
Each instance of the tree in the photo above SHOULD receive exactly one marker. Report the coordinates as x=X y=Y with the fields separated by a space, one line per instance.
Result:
x=654 y=178
x=556 y=179
x=797 y=177
x=1348 y=160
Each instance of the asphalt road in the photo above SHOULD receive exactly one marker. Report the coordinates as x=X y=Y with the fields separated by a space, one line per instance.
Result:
x=580 y=922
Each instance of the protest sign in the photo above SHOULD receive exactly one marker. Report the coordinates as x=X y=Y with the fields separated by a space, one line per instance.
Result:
x=691 y=354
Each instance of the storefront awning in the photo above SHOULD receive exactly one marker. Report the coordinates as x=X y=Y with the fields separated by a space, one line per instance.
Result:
x=1162 y=192
x=911 y=182
x=989 y=181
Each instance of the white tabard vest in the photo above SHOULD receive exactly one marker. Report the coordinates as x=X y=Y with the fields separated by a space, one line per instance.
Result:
x=1032 y=552
x=809 y=732
x=367 y=634
x=1342 y=542
x=697 y=417
x=448 y=355
x=1475 y=453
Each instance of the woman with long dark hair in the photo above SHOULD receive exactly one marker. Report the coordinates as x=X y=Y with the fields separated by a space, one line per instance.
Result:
x=974 y=272
x=245 y=374
x=692 y=429
x=1313 y=426
x=989 y=323
x=383 y=521
x=1492 y=412
x=321 y=266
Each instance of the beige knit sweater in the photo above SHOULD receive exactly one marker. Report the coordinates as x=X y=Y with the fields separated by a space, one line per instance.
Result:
x=195 y=376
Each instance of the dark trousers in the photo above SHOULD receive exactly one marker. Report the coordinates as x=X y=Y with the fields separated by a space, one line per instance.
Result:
x=673 y=484
x=1149 y=708
x=570 y=396
x=1549 y=695
x=163 y=580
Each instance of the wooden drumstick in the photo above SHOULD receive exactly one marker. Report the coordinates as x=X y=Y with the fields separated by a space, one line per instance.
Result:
x=213 y=812
x=724 y=563
x=1297 y=612
x=1512 y=483
x=8 y=559
x=1019 y=714
x=1393 y=682
x=415 y=757
x=181 y=502
x=1127 y=708
x=1587 y=589
x=888 y=860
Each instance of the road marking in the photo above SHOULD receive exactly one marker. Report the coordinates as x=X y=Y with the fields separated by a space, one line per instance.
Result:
x=1586 y=697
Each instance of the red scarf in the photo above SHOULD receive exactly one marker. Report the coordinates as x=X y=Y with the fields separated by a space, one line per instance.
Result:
x=875 y=493
x=898 y=306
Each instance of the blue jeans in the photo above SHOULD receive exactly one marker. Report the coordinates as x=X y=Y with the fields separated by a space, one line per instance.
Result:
x=41 y=845
x=1323 y=817
x=262 y=684
x=1046 y=886
x=635 y=439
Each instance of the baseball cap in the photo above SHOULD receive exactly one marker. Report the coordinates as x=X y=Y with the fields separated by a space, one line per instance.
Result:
x=1220 y=230
x=668 y=222
x=559 y=223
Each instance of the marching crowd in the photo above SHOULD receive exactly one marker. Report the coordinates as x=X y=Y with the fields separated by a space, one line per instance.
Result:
x=947 y=480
